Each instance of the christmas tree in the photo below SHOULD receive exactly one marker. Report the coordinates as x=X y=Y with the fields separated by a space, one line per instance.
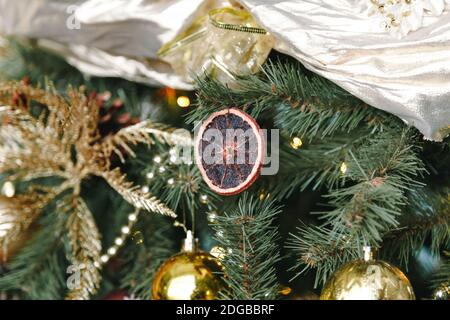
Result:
x=105 y=191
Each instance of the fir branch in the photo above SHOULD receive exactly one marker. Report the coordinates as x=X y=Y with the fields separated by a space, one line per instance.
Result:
x=427 y=217
x=248 y=234
x=134 y=194
x=144 y=132
x=315 y=248
x=442 y=278
x=186 y=184
x=143 y=260
x=39 y=267
x=85 y=247
x=314 y=165
x=309 y=106
x=383 y=170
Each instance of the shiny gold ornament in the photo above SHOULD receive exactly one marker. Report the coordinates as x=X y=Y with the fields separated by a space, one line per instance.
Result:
x=218 y=252
x=189 y=275
x=15 y=244
x=442 y=293
x=17 y=214
x=223 y=42
x=368 y=279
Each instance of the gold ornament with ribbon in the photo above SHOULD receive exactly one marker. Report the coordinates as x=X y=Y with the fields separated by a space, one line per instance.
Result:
x=368 y=279
x=189 y=275
x=224 y=43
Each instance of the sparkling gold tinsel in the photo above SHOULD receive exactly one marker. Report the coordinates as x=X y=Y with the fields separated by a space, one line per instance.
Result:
x=64 y=142
x=368 y=280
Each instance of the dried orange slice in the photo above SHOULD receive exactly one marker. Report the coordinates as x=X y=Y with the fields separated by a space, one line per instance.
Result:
x=229 y=151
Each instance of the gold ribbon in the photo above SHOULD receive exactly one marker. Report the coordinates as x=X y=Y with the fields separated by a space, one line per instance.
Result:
x=197 y=30
x=240 y=13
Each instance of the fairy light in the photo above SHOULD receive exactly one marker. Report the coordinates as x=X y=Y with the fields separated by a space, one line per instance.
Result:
x=157 y=159
x=118 y=241
x=263 y=195
x=8 y=189
x=296 y=143
x=204 y=199
x=212 y=216
x=285 y=291
x=183 y=101
x=125 y=230
x=343 y=168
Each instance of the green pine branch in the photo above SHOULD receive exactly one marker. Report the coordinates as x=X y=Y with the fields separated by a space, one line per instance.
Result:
x=442 y=277
x=385 y=167
x=366 y=208
x=39 y=269
x=249 y=237
x=313 y=248
x=314 y=165
x=305 y=105
x=426 y=221
x=151 y=245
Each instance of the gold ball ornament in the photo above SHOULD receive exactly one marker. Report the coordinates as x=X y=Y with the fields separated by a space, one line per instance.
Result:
x=442 y=293
x=189 y=275
x=368 y=279
x=11 y=242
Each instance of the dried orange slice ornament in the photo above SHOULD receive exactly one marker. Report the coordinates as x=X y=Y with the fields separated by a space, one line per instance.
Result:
x=229 y=151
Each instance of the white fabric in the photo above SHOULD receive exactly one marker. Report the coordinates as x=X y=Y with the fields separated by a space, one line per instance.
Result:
x=406 y=72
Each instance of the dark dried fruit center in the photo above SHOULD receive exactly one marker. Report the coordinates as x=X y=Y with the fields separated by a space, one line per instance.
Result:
x=229 y=150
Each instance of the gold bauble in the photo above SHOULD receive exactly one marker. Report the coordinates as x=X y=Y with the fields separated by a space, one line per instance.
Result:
x=14 y=246
x=224 y=41
x=188 y=276
x=10 y=242
x=442 y=293
x=368 y=280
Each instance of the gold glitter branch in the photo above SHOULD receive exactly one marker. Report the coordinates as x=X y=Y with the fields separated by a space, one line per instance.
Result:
x=64 y=141
x=144 y=132
x=134 y=195
x=85 y=245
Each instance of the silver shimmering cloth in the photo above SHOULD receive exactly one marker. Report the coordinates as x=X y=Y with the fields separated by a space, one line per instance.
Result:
x=408 y=76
